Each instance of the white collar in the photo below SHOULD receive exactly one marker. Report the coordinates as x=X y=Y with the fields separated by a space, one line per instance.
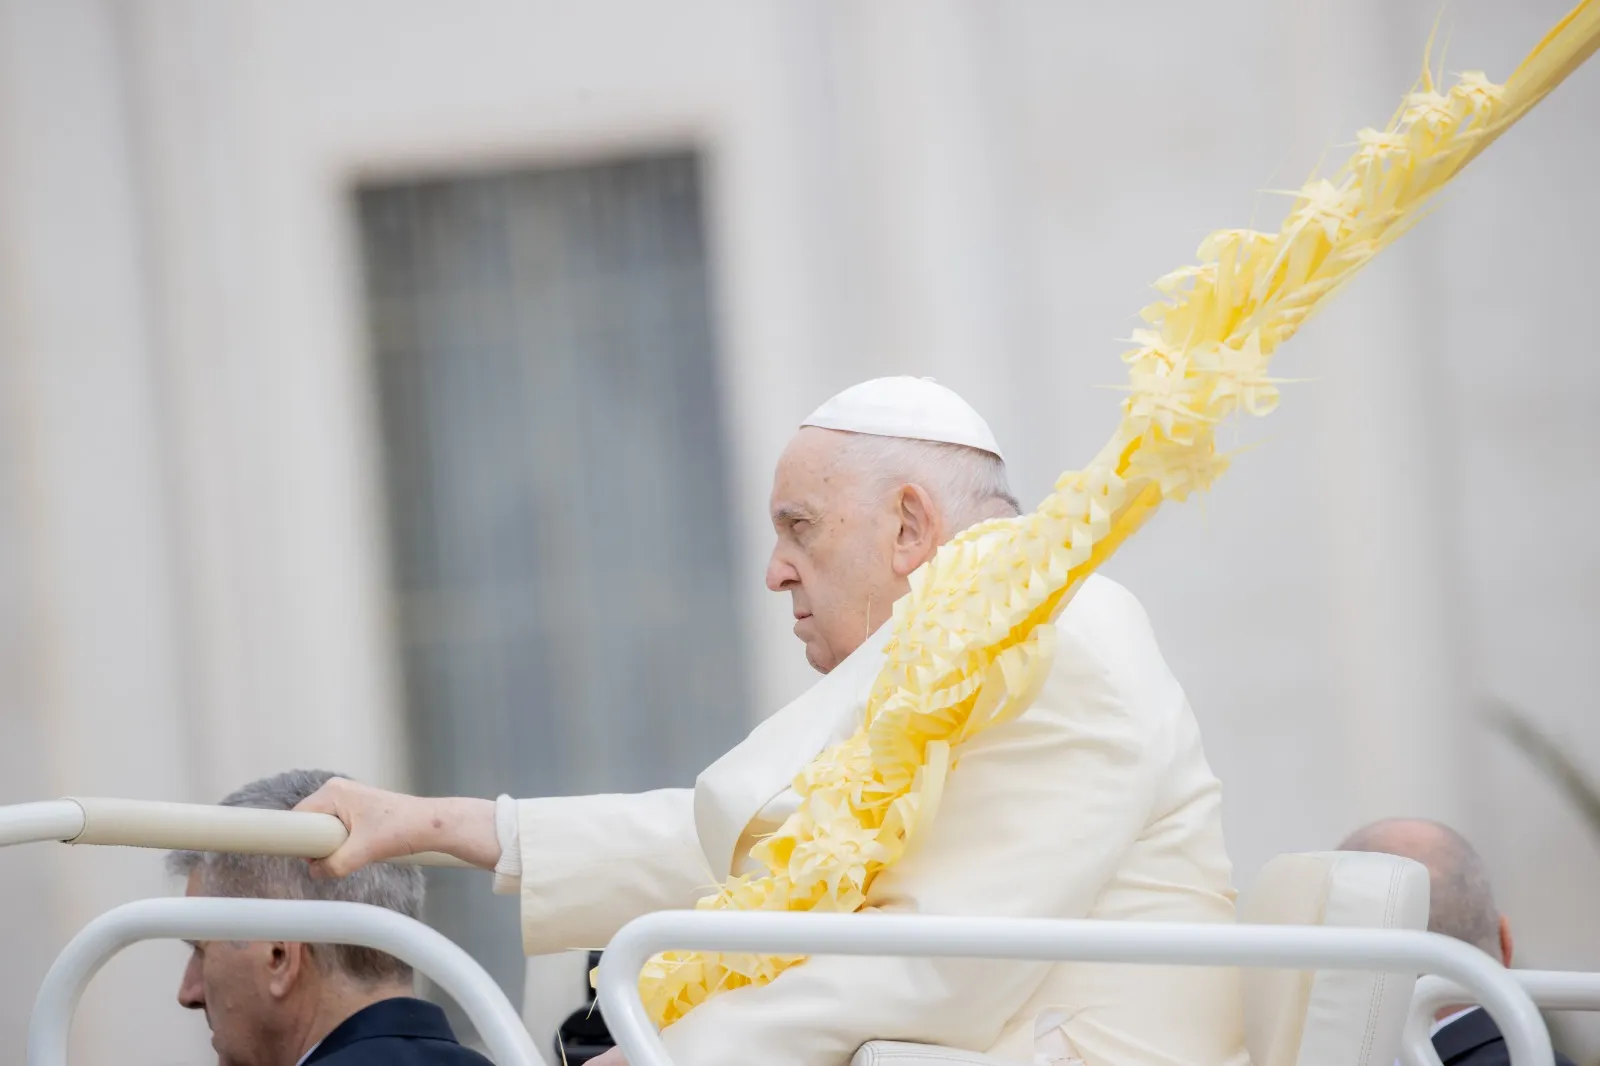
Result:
x=1442 y=1022
x=308 y=1053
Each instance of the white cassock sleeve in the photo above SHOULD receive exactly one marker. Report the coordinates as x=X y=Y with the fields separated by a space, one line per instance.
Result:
x=1035 y=819
x=591 y=864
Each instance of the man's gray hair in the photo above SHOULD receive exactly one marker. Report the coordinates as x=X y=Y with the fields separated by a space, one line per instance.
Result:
x=396 y=888
x=968 y=485
x=1460 y=898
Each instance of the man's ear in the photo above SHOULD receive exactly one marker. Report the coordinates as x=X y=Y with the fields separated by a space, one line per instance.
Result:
x=286 y=967
x=920 y=529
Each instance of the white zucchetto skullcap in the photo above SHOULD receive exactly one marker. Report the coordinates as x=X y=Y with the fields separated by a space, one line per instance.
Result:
x=906 y=407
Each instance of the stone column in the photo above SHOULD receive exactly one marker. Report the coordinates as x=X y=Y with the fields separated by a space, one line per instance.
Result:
x=100 y=694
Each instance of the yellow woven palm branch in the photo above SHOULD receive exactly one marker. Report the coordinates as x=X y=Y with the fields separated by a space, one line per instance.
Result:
x=972 y=641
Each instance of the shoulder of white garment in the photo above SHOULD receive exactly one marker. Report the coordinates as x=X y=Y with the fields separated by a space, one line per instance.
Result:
x=1105 y=644
x=1105 y=615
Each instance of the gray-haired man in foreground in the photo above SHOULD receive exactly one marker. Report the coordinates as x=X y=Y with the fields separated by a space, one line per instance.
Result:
x=276 y=1003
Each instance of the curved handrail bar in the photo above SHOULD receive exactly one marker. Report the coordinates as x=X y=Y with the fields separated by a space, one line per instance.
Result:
x=36 y=823
x=1052 y=940
x=183 y=826
x=1550 y=989
x=312 y=921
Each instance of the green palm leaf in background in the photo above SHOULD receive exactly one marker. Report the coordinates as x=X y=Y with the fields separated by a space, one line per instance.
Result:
x=1548 y=755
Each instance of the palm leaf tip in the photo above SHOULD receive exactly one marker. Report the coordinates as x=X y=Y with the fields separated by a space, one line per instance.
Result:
x=1549 y=755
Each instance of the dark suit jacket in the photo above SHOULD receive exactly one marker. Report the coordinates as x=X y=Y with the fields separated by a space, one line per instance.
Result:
x=394 y=1032
x=1474 y=1040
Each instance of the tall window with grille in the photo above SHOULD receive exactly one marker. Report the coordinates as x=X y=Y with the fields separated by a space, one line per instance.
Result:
x=564 y=611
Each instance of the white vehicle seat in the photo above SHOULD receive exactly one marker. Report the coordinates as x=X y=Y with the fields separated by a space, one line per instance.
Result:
x=1331 y=1017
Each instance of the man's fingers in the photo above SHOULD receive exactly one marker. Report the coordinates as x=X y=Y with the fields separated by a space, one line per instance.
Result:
x=325 y=800
x=379 y=825
x=342 y=863
x=318 y=803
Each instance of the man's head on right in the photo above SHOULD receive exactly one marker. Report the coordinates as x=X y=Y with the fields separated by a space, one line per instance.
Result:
x=1460 y=899
x=856 y=511
x=259 y=996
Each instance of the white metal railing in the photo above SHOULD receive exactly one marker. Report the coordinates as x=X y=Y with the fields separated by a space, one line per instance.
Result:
x=311 y=921
x=183 y=826
x=1465 y=973
x=1550 y=989
x=1161 y=943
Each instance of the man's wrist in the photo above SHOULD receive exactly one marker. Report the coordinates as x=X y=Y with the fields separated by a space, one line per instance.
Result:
x=463 y=827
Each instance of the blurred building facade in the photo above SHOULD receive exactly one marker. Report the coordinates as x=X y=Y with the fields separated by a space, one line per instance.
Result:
x=394 y=388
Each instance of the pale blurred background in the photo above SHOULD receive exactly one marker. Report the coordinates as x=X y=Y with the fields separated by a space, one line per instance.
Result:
x=393 y=388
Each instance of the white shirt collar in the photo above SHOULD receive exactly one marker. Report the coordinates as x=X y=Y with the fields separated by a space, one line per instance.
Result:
x=308 y=1053
x=1442 y=1022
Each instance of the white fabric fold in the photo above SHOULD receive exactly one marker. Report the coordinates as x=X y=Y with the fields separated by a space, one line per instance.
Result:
x=508 y=871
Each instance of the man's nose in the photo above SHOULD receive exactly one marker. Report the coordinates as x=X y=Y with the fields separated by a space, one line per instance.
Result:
x=780 y=575
x=191 y=990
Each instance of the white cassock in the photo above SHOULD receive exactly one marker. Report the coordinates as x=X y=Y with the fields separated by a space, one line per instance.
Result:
x=1096 y=802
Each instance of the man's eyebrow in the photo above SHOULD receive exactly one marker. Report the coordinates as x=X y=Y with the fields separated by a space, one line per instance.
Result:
x=791 y=512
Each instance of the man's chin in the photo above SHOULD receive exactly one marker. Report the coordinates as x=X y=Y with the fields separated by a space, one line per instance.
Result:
x=223 y=1059
x=819 y=659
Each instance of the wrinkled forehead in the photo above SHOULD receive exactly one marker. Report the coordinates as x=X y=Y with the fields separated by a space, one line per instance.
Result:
x=809 y=475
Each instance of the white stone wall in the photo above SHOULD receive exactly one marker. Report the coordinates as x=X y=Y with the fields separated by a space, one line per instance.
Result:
x=191 y=593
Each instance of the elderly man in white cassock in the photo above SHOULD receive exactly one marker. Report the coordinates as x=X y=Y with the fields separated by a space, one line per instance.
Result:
x=1095 y=802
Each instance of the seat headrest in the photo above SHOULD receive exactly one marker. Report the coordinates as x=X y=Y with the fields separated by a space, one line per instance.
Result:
x=1331 y=1017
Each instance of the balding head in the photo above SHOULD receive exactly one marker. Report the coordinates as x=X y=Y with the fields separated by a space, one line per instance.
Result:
x=1460 y=899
